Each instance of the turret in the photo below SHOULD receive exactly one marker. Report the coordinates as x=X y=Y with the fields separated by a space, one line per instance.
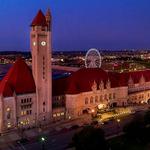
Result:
x=48 y=19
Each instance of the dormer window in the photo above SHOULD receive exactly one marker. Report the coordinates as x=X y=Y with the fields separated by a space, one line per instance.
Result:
x=94 y=87
x=130 y=82
x=108 y=84
x=142 y=80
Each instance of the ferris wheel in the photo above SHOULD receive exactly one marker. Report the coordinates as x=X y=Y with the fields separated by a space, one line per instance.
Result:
x=93 y=59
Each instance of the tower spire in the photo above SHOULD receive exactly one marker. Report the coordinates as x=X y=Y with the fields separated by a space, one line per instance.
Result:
x=48 y=18
x=39 y=19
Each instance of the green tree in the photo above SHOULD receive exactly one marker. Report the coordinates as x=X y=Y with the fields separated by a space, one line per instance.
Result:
x=147 y=118
x=135 y=130
x=90 y=138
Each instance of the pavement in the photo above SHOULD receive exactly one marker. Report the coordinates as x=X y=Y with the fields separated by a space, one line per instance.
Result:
x=7 y=140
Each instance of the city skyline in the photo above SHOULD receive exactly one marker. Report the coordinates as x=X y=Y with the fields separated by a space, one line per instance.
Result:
x=99 y=24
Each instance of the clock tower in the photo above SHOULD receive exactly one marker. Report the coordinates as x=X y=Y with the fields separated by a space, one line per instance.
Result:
x=40 y=41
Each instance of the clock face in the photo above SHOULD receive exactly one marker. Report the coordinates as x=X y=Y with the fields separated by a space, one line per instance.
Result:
x=34 y=43
x=43 y=43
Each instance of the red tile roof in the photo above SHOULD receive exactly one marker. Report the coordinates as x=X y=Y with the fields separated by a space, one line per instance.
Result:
x=39 y=20
x=82 y=80
x=19 y=79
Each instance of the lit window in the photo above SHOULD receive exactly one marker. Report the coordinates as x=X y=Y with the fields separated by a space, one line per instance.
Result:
x=8 y=109
x=9 y=125
x=58 y=114
x=22 y=113
x=54 y=115
x=25 y=112
x=62 y=114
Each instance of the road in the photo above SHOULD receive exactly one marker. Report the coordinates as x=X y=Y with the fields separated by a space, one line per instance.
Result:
x=60 y=140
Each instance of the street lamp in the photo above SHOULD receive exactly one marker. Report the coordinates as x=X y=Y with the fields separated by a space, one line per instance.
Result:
x=43 y=142
x=118 y=121
x=42 y=139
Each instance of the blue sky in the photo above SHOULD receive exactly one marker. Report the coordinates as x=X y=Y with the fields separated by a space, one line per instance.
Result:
x=78 y=24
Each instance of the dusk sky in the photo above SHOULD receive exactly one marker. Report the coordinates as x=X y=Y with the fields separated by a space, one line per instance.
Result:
x=78 y=24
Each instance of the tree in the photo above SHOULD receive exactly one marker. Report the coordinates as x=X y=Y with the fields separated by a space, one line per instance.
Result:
x=90 y=138
x=135 y=130
x=147 y=118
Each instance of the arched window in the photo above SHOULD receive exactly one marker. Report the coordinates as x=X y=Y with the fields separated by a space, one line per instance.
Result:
x=108 y=84
x=114 y=96
x=86 y=100
x=101 y=98
x=91 y=99
x=96 y=99
x=101 y=85
x=110 y=97
x=105 y=96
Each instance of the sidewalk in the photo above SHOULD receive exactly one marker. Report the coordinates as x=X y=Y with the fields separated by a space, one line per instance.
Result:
x=52 y=129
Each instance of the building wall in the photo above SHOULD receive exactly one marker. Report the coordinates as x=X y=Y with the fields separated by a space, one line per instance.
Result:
x=18 y=111
x=9 y=112
x=26 y=110
x=76 y=104
x=139 y=97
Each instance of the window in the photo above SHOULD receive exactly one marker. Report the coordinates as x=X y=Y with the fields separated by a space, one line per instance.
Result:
x=62 y=113
x=8 y=109
x=43 y=28
x=27 y=112
x=96 y=99
x=9 y=125
x=58 y=114
x=22 y=113
x=91 y=100
x=86 y=100
x=43 y=67
x=101 y=98
x=110 y=96
x=54 y=115
x=30 y=112
x=43 y=103
x=114 y=96
x=105 y=96
x=8 y=113
x=21 y=100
